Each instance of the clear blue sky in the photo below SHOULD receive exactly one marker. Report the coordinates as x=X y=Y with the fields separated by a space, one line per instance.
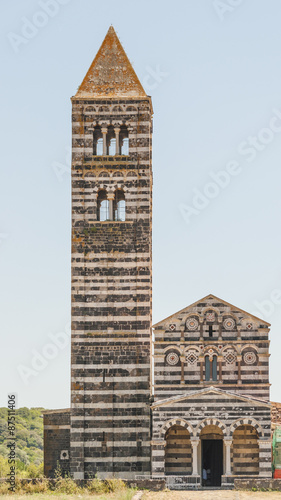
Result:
x=215 y=80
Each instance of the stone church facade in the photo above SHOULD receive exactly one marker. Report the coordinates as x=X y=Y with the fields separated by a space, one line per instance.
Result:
x=211 y=394
x=209 y=405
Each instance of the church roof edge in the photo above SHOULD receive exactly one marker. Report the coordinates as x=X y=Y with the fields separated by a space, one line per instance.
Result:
x=216 y=298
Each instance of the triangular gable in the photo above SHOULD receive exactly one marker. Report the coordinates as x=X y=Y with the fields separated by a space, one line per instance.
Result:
x=111 y=73
x=208 y=390
x=210 y=296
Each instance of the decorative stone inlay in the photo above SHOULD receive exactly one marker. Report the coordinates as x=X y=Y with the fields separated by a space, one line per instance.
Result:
x=250 y=358
x=64 y=455
x=172 y=358
x=229 y=324
x=192 y=324
x=249 y=326
x=172 y=327
x=192 y=357
x=229 y=356
x=210 y=316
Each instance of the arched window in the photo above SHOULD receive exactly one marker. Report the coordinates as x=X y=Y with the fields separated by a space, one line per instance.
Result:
x=97 y=142
x=111 y=141
x=103 y=206
x=119 y=205
x=211 y=368
x=124 y=140
x=215 y=368
x=100 y=147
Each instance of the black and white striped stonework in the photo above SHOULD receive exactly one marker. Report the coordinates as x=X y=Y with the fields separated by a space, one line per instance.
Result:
x=241 y=351
x=211 y=382
x=111 y=296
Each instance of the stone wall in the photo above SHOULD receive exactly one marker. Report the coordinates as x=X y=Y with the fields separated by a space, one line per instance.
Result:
x=257 y=484
x=56 y=441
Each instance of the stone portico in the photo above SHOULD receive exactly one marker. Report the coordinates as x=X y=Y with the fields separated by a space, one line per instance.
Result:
x=236 y=429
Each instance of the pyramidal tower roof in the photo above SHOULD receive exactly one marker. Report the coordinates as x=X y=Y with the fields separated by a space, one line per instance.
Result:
x=111 y=73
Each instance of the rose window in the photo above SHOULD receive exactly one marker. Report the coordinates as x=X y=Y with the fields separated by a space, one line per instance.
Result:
x=192 y=324
x=229 y=324
x=250 y=358
x=172 y=358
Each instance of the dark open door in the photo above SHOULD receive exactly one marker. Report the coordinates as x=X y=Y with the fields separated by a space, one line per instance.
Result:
x=212 y=458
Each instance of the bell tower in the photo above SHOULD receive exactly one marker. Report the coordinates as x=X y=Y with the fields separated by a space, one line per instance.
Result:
x=111 y=269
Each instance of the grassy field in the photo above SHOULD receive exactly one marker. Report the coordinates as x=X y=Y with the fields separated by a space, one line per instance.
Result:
x=118 y=495
x=65 y=487
x=127 y=494
x=212 y=495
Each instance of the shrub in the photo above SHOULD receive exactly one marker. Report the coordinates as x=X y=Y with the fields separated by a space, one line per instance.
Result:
x=4 y=467
x=36 y=486
x=4 y=488
x=34 y=471
x=114 y=484
x=96 y=486
x=106 y=485
x=67 y=485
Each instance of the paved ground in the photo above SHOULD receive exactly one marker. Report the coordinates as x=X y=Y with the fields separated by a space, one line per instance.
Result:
x=211 y=495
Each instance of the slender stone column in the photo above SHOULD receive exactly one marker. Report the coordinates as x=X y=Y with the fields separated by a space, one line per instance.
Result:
x=104 y=132
x=239 y=359
x=110 y=197
x=182 y=358
x=220 y=360
x=117 y=131
x=182 y=329
x=227 y=442
x=194 y=444
x=239 y=332
x=201 y=360
x=201 y=330
x=220 y=328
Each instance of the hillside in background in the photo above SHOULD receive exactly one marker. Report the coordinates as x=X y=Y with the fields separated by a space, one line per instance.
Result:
x=28 y=436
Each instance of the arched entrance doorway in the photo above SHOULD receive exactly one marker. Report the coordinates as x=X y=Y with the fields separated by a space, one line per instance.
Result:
x=211 y=455
x=245 y=451
x=178 y=456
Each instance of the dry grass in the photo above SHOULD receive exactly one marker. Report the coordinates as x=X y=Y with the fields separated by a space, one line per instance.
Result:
x=212 y=495
x=42 y=489
x=118 y=495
